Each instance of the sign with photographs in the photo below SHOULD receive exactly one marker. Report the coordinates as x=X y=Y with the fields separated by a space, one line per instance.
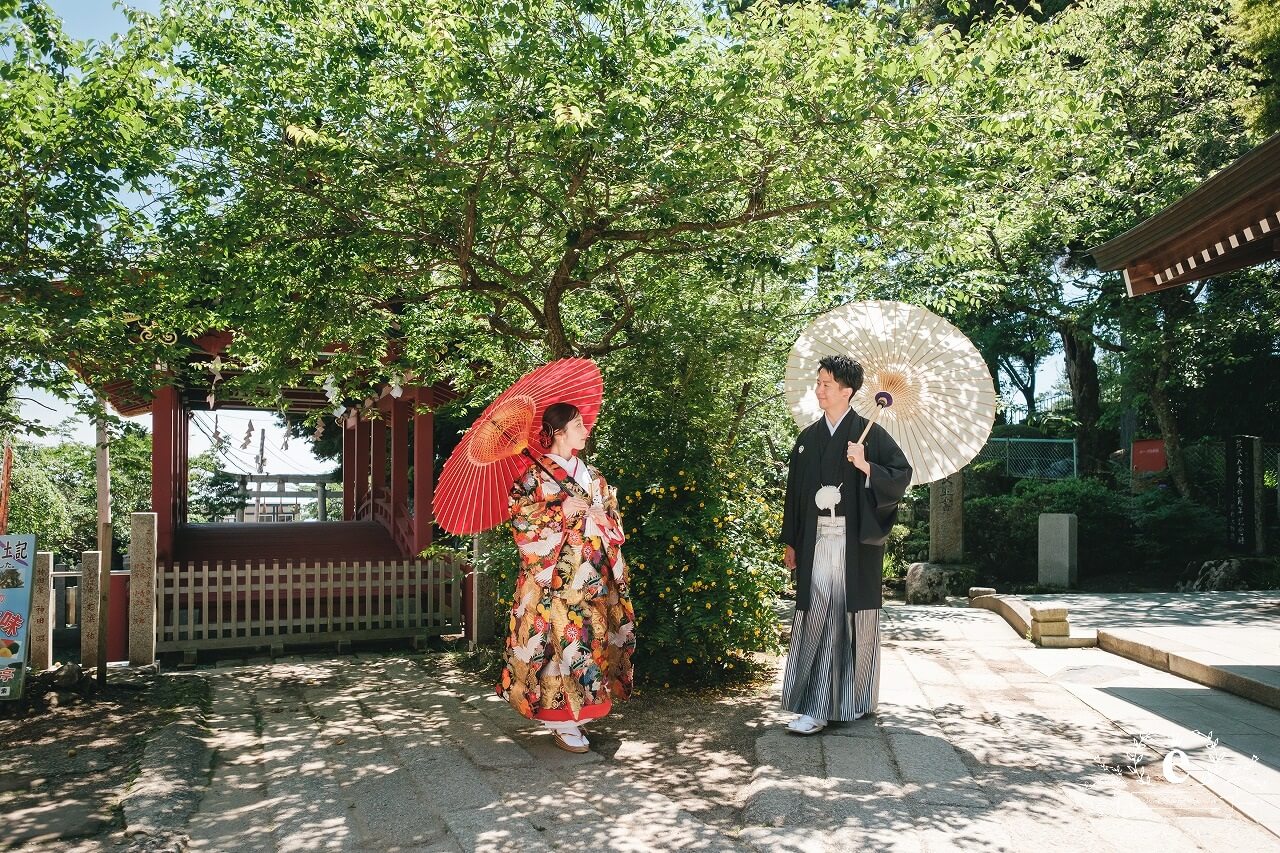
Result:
x=17 y=567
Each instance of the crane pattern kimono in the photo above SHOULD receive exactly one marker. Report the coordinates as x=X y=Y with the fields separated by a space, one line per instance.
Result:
x=572 y=628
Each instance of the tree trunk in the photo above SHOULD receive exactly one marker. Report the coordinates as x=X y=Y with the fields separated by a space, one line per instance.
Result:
x=1175 y=461
x=1027 y=391
x=1086 y=395
x=739 y=412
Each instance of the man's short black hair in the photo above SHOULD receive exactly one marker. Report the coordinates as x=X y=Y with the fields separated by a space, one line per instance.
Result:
x=843 y=369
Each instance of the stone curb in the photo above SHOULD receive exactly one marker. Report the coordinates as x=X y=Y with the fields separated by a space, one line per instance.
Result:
x=176 y=766
x=1013 y=609
x=1194 y=664
x=1021 y=618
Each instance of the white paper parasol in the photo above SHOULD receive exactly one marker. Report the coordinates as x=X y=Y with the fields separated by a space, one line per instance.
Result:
x=943 y=400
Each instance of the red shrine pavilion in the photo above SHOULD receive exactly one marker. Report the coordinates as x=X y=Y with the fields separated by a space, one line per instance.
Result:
x=244 y=584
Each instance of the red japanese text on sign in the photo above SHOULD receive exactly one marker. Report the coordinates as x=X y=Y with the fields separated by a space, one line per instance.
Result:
x=10 y=623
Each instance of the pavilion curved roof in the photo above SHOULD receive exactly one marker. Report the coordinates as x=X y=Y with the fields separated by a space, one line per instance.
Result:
x=128 y=400
x=1229 y=222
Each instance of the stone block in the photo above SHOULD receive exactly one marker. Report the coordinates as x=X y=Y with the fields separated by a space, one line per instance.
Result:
x=1147 y=649
x=1058 y=549
x=929 y=583
x=979 y=591
x=1084 y=640
x=946 y=520
x=1244 y=482
x=1013 y=609
x=40 y=637
x=142 y=589
x=1040 y=630
x=1048 y=611
x=91 y=618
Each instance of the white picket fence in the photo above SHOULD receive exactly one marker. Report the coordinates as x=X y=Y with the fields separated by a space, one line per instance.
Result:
x=210 y=606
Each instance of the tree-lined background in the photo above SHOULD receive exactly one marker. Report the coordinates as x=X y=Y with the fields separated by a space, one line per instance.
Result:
x=473 y=188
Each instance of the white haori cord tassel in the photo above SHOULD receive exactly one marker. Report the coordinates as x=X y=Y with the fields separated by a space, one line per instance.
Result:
x=827 y=498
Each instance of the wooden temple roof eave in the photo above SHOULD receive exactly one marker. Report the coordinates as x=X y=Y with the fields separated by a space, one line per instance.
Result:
x=1140 y=279
x=1231 y=221
x=129 y=402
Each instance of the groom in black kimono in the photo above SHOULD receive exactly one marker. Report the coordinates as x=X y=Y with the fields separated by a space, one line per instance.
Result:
x=833 y=665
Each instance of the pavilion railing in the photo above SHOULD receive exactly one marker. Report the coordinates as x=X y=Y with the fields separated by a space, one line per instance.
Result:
x=215 y=605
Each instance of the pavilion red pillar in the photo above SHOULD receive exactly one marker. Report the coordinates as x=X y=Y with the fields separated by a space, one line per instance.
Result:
x=348 y=469
x=378 y=465
x=363 y=436
x=423 y=470
x=398 y=414
x=166 y=445
x=183 y=423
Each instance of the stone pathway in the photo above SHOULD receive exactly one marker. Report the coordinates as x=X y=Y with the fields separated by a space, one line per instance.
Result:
x=1228 y=744
x=379 y=755
x=983 y=743
x=977 y=748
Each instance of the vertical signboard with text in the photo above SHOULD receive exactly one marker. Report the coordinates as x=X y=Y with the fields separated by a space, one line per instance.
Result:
x=1244 y=493
x=17 y=565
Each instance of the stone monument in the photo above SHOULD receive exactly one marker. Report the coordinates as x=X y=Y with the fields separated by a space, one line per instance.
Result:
x=946 y=520
x=942 y=576
x=1058 y=549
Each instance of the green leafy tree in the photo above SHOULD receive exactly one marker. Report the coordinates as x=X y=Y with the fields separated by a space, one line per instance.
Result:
x=488 y=187
x=429 y=173
x=1256 y=27
x=462 y=190
x=1169 y=78
x=83 y=134
x=37 y=506
x=215 y=493
x=69 y=468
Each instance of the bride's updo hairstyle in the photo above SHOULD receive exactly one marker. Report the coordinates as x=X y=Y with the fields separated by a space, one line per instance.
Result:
x=554 y=419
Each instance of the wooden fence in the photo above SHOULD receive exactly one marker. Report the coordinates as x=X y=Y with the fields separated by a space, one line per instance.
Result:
x=210 y=606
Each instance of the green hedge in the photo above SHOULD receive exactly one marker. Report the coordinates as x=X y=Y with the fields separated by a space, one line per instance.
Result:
x=1155 y=530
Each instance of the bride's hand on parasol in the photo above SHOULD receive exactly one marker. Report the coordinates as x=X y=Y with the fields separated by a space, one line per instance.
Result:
x=573 y=507
x=789 y=558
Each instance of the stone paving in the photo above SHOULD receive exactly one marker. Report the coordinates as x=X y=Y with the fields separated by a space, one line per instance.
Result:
x=977 y=748
x=982 y=743
x=1233 y=743
x=1158 y=610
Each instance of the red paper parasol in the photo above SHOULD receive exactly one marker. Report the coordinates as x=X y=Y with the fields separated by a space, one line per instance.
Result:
x=473 y=490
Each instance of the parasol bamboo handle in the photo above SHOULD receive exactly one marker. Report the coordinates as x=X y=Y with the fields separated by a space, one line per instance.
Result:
x=569 y=486
x=883 y=401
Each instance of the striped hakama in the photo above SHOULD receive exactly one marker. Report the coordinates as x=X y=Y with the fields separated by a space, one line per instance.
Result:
x=833 y=666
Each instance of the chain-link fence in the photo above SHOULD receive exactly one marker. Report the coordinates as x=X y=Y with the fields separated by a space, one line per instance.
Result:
x=1040 y=458
x=1207 y=472
x=1047 y=406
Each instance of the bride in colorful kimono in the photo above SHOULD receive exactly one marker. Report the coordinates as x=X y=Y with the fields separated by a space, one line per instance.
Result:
x=572 y=628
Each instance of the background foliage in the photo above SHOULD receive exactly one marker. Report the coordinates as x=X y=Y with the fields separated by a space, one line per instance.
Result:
x=461 y=190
